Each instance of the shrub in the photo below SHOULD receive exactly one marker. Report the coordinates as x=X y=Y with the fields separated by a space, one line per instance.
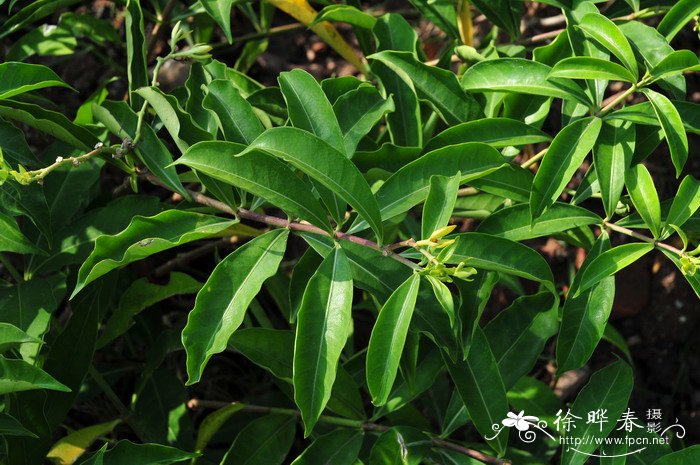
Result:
x=332 y=254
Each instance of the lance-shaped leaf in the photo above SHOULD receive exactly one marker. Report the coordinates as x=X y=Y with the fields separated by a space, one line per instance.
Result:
x=258 y=173
x=672 y=126
x=220 y=11
x=126 y=452
x=591 y=68
x=685 y=204
x=514 y=222
x=266 y=440
x=410 y=185
x=388 y=338
x=497 y=254
x=324 y=322
x=12 y=239
x=339 y=447
x=439 y=86
x=234 y=115
x=18 y=78
x=18 y=375
x=136 y=67
x=221 y=304
x=326 y=165
x=681 y=13
x=121 y=121
x=11 y=336
x=502 y=13
x=213 y=422
x=481 y=388
x=520 y=76
x=675 y=63
x=609 y=389
x=563 y=158
x=69 y=449
x=496 y=132
x=439 y=204
x=536 y=398
x=358 y=111
x=145 y=236
x=607 y=34
x=612 y=156
x=641 y=188
x=612 y=261
x=9 y=426
x=346 y=14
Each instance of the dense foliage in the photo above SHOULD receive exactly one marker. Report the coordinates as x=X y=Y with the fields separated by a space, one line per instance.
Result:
x=228 y=272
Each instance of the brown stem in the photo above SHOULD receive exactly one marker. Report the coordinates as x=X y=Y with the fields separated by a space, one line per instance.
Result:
x=642 y=238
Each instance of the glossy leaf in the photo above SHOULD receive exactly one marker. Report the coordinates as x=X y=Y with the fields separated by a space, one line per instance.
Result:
x=672 y=126
x=681 y=13
x=136 y=55
x=641 y=188
x=146 y=236
x=440 y=87
x=324 y=323
x=563 y=158
x=220 y=11
x=9 y=426
x=685 y=204
x=388 y=338
x=12 y=239
x=126 y=452
x=266 y=440
x=536 y=398
x=497 y=254
x=496 y=132
x=502 y=13
x=259 y=174
x=479 y=383
x=221 y=304
x=675 y=63
x=68 y=449
x=612 y=156
x=612 y=261
x=346 y=14
x=439 y=204
x=11 y=336
x=520 y=76
x=234 y=115
x=358 y=111
x=339 y=447
x=324 y=164
x=18 y=78
x=607 y=34
x=213 y=422
x=591 y=68
x=18 y=375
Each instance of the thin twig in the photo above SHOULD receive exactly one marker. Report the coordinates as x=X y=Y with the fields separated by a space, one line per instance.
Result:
x=642 y=237
x=10 y=268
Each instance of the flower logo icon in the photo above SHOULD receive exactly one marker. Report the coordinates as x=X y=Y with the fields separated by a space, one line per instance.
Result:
x=521 y=421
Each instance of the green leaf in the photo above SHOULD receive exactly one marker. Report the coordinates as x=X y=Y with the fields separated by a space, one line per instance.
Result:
x=675 y=63
x=439 y=86
x=514 y=223
x=496 y=132
x=518 y=334
x=358 y=111
x=339 y=447
x=18 y=78
x=14 y=146
x=266 y=440
x=70 y=448
x=345 y=14
x=18 y=375
x=221 y=304
x=688 y=455
x=121 y=121
x=178 y=123
x=140 y=295
x=439 y=204
x=612 y=261
x=441 y=13
x=326 y=165
x=563 y=158
x=388 y=338
x=49 y=122
x=641 y=188
x=11 y=336
x=672 y=126
x=126 y=452
x=536 y=398
x=220 y=11
x=32 y=12
x=520 y=76
x=502 y=13
x=45 y=40
x=136 y=55
x=213 y=422
x=309 y=108
x=607 y=389
x=497 y=254
x=681 y=13
x=146 y=236
x=305 y=267
x=591 y=68
x=258 y=173
x=612 y=156
x=481 y=388
x=324 y=323
x=685 y=203
x=410 y=185
x=474 y=296
x=607 y=34
x=234 y=115
x=9 y=426
x=12 y=239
